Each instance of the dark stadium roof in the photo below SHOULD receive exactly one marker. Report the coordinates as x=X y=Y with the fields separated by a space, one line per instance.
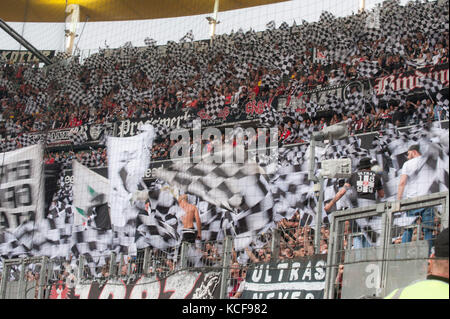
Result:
x=115 y=10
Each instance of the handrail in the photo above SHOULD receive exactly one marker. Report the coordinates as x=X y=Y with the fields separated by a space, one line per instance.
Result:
x=388 y=211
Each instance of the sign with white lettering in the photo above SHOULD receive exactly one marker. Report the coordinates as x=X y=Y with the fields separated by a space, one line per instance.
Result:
x=21 y=186
x=362 y=273
x=409 y=82
x=300 y=278
x=181 y=285
x=23 y=56
x=172 y=120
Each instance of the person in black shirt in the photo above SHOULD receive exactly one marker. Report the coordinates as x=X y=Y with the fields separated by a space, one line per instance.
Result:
x=366 y=185
x=365 y=182
x=399 y=116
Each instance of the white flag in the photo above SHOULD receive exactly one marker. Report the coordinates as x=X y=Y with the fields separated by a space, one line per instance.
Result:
x=21 y=186
x=89 y=190
x=128 y=159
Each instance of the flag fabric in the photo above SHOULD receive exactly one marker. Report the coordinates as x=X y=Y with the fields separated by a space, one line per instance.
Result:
x=128 y=159
x=270 y=25
x=90 y=194
x=187 y=37
x=21 y=185
x=240 y=188
x=224 y=184
x=368 y=69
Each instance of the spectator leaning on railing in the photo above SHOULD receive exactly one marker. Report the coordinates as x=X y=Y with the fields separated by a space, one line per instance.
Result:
x=368 y=190
x=415 y=164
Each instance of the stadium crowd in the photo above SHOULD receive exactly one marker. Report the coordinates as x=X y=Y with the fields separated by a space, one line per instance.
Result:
x=35 y=101
x=32 y=100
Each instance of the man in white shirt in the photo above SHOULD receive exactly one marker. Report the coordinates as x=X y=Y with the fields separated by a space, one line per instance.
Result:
x=409 y=179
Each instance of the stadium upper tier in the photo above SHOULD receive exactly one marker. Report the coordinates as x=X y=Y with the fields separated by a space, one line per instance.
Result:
x=207 y=79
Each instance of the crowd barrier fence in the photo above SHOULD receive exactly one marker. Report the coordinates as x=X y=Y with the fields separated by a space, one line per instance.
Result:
x=376 y=270
x=350 y=271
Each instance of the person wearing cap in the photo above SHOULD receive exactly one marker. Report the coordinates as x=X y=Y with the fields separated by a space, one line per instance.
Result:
x=409 y=185
x=436 y=284
x=369 y=189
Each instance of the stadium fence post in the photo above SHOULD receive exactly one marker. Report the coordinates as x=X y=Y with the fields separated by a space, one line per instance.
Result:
x=21 y=288
x=49 y=278
x=120 y=263
x=112 y=265
x=183 y=254
x=80 y=268
x=227 y=251
x=330 y=274
x=319 y=216
x=275 y=244
x=146 y=262
x=5 y=277
x=42 y=277
x=445 y=212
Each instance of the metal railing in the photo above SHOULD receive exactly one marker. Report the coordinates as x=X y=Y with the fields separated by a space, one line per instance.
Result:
x=379 y=267
x=18 y=283
x=376 y=268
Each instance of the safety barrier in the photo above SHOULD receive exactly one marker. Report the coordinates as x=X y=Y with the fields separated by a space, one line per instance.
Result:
x=356 y=270
x=353 y=268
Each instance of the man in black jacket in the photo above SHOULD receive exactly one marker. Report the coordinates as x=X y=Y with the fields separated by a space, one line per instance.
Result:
x=367 y=185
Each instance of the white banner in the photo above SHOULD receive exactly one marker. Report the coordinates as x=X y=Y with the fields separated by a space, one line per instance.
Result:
x=128 y=160
x=21 y=186
x=89 y=190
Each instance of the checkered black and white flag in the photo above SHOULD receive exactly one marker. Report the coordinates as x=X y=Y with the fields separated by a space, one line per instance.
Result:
x=270 y=25
x=214 y=106
x=227 y=185
x=326 y=17
x=270 y=118
x=159 y=226
x=368 y=69
x=432 y=86
x=187 y=37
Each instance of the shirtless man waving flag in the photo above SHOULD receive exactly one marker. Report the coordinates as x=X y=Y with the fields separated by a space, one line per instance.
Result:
x=191 y=212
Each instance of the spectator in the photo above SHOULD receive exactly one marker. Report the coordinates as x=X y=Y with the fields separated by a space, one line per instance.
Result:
x=367 y=185
x=235 y=281
x=241 y=288
x=409 y=181
x=300 y=252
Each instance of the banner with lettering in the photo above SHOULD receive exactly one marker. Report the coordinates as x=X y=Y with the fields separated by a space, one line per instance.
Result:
x=91 y=134
x=57 y=137
x=23 y=56
x=409 y=83
x=172 y=119
x=180 y=285
x=21 y=186
x=247 y=110
x=300 y=278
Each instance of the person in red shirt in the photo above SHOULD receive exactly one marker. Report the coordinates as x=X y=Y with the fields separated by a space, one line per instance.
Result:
x=285 y=132
x=255 y=88
x=19 y=73
x=75 y=121
x=235 y=280
x=50 y=160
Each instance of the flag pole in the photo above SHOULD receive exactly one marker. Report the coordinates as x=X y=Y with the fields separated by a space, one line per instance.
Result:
x=213 y=22
x=362 y=5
